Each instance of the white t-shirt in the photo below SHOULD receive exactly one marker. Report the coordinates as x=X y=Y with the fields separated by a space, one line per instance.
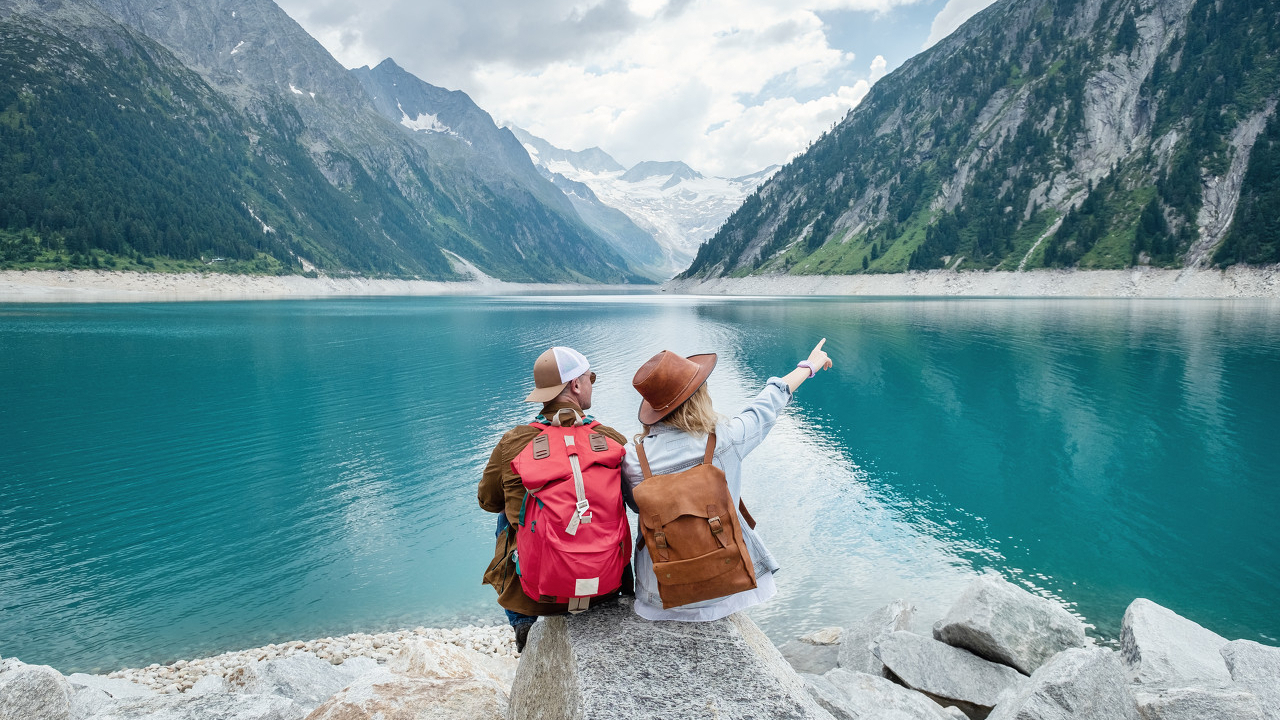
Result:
x=722 y=608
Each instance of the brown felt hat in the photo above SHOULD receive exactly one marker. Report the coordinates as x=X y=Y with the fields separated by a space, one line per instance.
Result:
x=667 y=380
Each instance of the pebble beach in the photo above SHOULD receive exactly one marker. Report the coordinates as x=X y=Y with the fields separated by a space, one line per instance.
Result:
x=178 y=677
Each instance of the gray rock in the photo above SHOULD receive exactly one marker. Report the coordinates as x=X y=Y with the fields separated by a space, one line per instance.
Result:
x=825 y=636
x=955 y=712
x=303 y=678
x=809 y=658
x=210 y=684
x=859 y=638
x=113 y=687
x=387 y=696
x=856 y=696
x=1256 y=668
x=1077 y=684
x=430 y=659
x=1001 y=622
x=92 y=694
x=33 y=692
x=948 y=675
x=85 y=702
x=827 y=696
x=608 y=662
x=1164 y=649
x=211 y=706
x=1198 y=704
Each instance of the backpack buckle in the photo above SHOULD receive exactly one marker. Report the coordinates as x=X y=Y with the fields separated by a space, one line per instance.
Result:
x=717 y=527
x=661 y=539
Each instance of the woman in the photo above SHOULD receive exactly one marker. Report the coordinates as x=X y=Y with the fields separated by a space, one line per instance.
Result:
x=678 y=418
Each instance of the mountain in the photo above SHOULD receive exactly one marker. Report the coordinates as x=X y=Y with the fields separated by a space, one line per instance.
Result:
x=1042 y=133
x=592 y=159
x=637 y=246
x=670 y=201
x=201 y=128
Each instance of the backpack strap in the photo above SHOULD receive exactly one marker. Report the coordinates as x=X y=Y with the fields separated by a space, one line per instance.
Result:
x=742 y=508
x=644 y=461
x=558 y=421
x=581 y=513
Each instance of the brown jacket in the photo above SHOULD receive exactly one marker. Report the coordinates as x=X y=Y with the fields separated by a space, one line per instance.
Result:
x=501 y=491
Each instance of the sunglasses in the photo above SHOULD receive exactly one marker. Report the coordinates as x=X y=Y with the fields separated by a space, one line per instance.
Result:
x=593 y=377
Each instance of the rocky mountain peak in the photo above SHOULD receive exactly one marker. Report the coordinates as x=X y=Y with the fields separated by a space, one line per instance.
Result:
x=1042 y=133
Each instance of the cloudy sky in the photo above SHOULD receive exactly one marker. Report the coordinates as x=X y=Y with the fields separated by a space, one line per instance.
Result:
x=728 y=86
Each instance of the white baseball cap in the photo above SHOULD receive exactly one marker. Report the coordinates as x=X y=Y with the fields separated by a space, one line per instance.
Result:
x=553 y=370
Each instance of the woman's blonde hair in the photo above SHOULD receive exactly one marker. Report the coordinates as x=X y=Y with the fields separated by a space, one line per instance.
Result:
x=695 y=416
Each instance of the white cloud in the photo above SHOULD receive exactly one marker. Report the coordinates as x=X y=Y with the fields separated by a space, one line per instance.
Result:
x=878 y=67
x=710 y=82
x=952 y=16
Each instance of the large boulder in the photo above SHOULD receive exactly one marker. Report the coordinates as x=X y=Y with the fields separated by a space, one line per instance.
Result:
x=431 y=659
x=112 y=687
x=33 y=692
x=814 y=653
x=303 y=678
x=222 y=706
x=609 y=662
x=856 y=696
x=1164 y=649
x=1198 y=704
x=1001 y=622
x=948 y=675
x=426 y=679
x=94 y=693
x=1077 y=684
x=857 y=641
x=386 y=696
x=1256 y=668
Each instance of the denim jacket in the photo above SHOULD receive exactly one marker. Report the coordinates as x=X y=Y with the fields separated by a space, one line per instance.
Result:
x=670 y=450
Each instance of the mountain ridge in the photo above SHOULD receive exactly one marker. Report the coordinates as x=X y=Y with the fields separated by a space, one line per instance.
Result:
x=325 y=180
x=1042 y=133
x=674 y=204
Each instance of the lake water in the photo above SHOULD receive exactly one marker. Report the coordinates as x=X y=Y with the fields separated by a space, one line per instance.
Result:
x=178 y=480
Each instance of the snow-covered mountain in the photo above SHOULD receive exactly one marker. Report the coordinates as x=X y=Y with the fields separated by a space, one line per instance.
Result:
x=678 y=206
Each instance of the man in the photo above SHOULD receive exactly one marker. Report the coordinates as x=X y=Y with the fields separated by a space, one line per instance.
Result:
x=563 y=381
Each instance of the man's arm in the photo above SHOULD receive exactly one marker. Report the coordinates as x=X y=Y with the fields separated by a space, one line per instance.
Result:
x=490 y=492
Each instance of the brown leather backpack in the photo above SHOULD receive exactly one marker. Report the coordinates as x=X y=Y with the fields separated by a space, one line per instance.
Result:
x=689 y=525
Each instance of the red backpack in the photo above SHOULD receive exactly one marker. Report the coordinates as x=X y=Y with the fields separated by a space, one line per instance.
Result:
x=573 y=540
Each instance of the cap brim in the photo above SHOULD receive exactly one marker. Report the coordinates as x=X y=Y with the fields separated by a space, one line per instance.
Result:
x=706 y=363
x=546 y=394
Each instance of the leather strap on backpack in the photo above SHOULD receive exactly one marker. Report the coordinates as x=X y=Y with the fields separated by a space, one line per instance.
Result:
x=644 y=461
x=707 y=457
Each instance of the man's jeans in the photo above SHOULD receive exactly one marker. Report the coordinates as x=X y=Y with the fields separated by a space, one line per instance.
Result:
x=516 y=619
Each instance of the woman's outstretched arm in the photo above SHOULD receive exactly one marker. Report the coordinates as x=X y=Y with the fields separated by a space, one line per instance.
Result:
x=817 y=359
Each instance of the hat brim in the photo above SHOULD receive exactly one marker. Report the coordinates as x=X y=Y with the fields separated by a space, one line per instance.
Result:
x=706 y=363
x=546 y=394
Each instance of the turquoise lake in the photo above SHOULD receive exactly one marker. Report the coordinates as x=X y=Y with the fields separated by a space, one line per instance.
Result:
x=178 y=480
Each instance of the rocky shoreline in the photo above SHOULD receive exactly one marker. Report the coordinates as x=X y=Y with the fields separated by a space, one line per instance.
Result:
x=1234 y=282
x=280 y=681
x=91 y=286
x=1000 y=653
x=494 y=640
x=57 y=286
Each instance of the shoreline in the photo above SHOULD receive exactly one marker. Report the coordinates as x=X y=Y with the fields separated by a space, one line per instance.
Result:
x=112 y=286
x=102 y=286
x=1261 y=282
x=179 y=676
